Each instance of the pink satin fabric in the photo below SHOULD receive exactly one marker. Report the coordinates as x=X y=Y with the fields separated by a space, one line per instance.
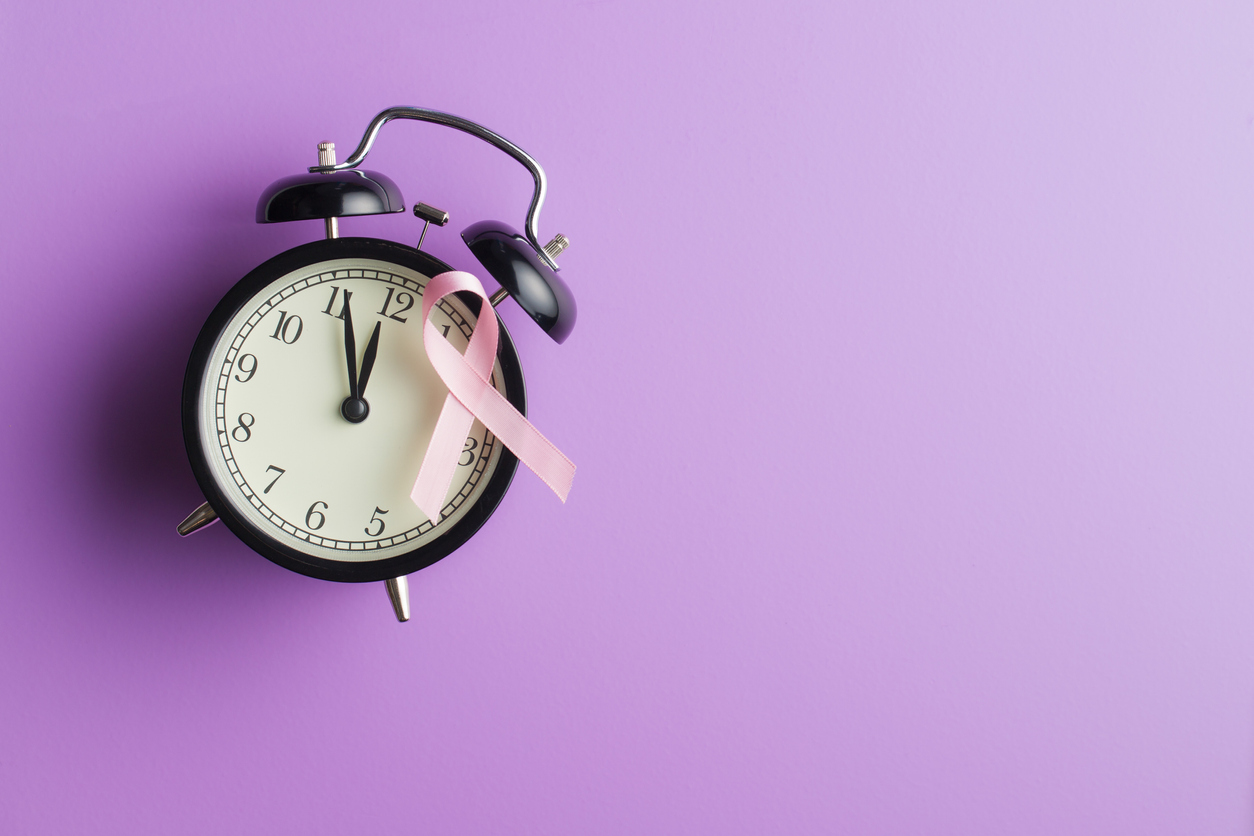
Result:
x=471 y=396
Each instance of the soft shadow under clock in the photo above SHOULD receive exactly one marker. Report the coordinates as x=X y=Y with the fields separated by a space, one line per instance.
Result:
x=143 y=479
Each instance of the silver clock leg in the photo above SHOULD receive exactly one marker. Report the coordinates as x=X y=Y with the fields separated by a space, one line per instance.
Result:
x=398 y=594
x=198 y=519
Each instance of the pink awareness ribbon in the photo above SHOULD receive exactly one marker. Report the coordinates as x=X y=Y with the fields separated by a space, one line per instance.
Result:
x=472 y=396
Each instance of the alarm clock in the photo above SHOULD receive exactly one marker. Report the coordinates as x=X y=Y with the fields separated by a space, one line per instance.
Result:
x=310 y=398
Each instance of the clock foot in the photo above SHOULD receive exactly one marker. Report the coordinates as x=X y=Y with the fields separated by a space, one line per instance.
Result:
x=198 y=519
x=398 y=594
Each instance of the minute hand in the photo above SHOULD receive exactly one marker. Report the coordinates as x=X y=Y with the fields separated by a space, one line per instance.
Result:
x=367 y=361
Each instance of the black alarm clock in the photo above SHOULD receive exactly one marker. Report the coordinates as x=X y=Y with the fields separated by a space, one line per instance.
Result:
x=309 y=400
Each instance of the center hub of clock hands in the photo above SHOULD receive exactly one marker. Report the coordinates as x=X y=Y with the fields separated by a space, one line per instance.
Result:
x=355 y=407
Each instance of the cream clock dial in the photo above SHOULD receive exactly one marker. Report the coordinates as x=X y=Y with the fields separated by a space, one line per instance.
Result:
x=309 y=473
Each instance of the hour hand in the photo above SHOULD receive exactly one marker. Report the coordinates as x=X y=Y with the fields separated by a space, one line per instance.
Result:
x=354 y=408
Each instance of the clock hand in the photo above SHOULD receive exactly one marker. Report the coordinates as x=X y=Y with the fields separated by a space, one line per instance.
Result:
x=354 y=408
x=350 y=349
x=367 y=361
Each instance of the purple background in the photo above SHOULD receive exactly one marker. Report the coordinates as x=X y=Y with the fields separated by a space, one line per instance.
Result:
x=910 y=395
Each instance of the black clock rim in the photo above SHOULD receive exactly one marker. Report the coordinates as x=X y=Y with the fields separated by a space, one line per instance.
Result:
x=284 y=555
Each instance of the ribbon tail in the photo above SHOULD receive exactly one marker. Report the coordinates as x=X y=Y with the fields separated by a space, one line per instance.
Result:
x=539 y=454
x=440 y=464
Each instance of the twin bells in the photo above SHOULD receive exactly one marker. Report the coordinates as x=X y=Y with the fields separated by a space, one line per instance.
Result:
x=524 y=269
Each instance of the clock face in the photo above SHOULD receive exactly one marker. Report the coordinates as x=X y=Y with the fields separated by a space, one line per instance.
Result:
x=287 y=470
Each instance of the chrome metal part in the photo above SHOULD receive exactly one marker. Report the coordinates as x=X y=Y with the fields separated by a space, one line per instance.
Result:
x=326 y=154
x=398 y=594
x=430 y=214
x=498 y=297
x=494 y=139
x=326 y=157
x=198 y=519
x=555 y=247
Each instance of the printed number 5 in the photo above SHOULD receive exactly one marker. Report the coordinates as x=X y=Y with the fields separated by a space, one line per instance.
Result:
x=376 y=519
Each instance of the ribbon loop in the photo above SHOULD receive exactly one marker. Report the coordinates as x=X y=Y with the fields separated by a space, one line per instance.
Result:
x=471 y=395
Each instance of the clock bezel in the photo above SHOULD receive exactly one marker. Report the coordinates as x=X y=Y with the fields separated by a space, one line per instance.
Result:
x=245 y=290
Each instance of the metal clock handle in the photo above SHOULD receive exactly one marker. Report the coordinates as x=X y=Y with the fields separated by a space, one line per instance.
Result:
x=494 y=139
